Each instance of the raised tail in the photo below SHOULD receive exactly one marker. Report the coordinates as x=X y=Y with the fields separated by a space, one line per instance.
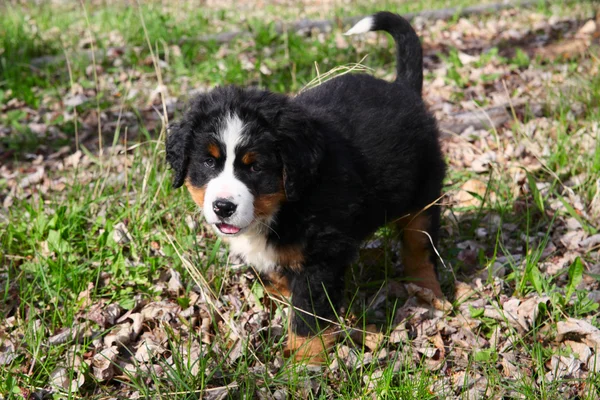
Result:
x=409 y=54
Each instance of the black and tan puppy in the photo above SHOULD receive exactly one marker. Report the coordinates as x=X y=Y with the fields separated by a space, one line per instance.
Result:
x=296 y=183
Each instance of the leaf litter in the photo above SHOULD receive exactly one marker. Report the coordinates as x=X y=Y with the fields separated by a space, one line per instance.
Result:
x=491 y=320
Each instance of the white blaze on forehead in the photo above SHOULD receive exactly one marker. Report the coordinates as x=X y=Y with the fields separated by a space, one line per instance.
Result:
x=231 y=136
x=226 y=185
x=362 y=26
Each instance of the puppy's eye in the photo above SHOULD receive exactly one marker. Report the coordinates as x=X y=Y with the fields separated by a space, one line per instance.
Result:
x=255 y=168
x=210 y=162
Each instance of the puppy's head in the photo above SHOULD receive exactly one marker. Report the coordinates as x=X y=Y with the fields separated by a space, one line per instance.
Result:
x=241 y=153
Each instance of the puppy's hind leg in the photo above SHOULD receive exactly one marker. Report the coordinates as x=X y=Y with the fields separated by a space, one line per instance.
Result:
x=419 y=235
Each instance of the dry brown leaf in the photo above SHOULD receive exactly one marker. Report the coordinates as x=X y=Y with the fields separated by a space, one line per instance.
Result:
x=236 y=350
x=372 y=379
x=463 y=291
x=510 y=370
x=371 y=337
x=113 y=312
x=120 y=336
x=7 y=352
x=428 y=297
x=528 y=310
x=582 y=351
x=73 y=333
x=399 y=334
x=147 y=349
x=205 y=328
x=565 y=50
x=73 y=160
x=103 y=363
x=561 y=366
x=589 y=28
x=84 y=296
x=590 y=242
x=174 y=286
x=191 y=354
x=33 y=179
x=464 y=198
x=484 y=162
x=593 y=363
x=59 y=379
x=510 y=308
x=96 y=314
x=121 y=234
x=349 y=357
x=161 y=310
x=578 y=330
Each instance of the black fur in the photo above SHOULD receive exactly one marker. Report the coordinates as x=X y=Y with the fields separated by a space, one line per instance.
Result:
x=409 y=54
x=354 y=153
x=179 y=146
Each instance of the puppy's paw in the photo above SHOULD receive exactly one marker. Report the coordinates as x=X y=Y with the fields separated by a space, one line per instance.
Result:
x=311 y=349
x=430 y=297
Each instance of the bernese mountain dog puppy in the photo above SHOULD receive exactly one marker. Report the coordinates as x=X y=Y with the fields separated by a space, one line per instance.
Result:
x=295 y=184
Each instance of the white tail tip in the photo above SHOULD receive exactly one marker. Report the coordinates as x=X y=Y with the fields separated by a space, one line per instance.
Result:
x=362 y=26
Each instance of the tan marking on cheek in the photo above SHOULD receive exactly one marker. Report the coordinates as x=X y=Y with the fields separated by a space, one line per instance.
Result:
x=311 y=349
x=267 y=204
x=197 y=193
x=213 y=150
x=416 y=255
x=249 y=158
x=291 y=257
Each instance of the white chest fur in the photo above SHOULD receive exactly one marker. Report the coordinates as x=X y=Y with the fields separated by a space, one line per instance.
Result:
x=253 y=248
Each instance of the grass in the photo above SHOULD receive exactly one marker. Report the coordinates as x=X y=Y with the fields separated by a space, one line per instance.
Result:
x=63 y=246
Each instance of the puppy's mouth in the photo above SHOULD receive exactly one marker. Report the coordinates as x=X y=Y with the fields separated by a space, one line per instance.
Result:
x=227 y=229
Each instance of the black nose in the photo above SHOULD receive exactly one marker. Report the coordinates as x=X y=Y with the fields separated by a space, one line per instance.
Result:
x=224 y=208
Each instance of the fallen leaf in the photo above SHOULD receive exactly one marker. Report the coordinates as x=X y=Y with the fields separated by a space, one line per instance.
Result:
x=588 y=28
x=470 y=193
x=33 y=178
x=371 y=337
x=67 y=334
x=161 y=310
x=565 y=50
x=593 y=363
x=74 y=101
x=174 y=286
x=582 y=351
x=7 y=352
x=483 y=163
x=428 y=296
x=561 y=366
x=59 y=379
x=578 y=330
x=103 y=363
x=119 y=336
x=121 y=234
x=147 y=349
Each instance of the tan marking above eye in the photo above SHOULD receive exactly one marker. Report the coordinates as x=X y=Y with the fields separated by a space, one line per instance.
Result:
x=249 y=158
x=213 y=150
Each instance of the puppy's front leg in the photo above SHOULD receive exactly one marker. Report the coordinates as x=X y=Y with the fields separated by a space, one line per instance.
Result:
x=316 y=296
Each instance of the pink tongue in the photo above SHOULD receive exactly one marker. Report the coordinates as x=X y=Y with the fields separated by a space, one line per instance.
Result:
x=230 y=229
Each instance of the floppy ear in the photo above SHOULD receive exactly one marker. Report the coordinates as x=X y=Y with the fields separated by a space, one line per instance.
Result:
x=300 y=146
x=179 y=143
